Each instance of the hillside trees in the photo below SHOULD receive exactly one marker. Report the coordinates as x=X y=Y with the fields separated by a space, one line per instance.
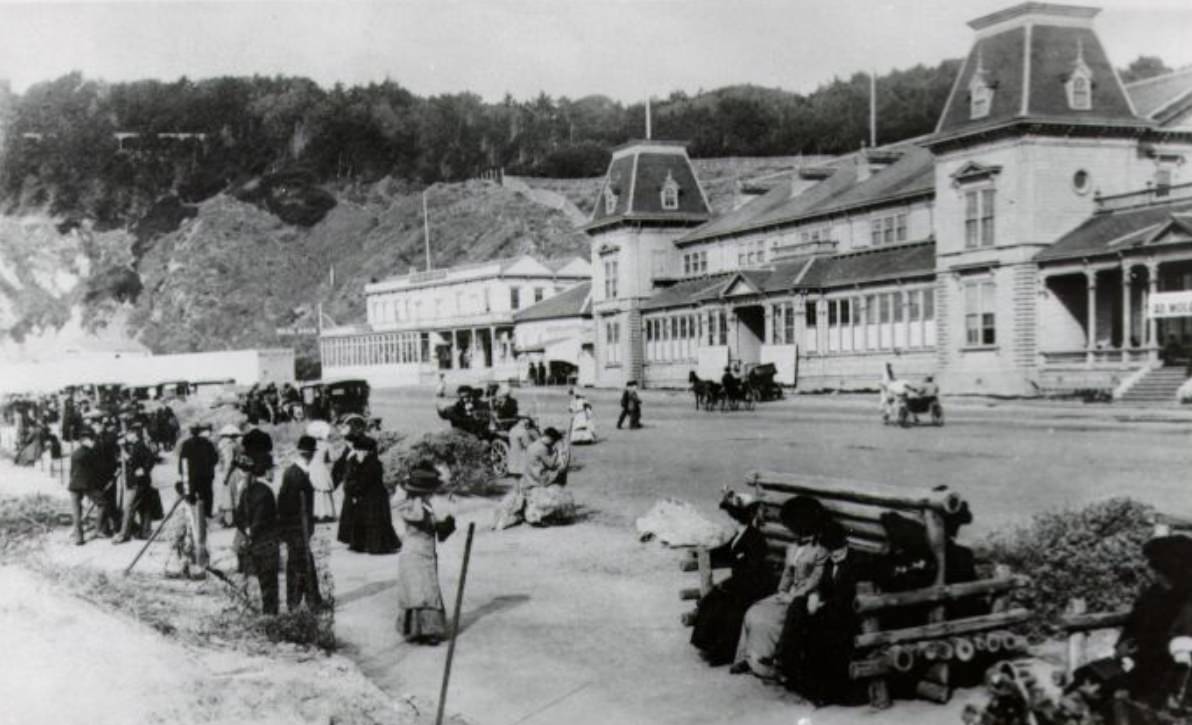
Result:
x=257 y=126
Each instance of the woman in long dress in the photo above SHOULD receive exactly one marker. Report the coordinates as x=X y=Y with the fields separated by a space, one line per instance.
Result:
x=325 y=505
x=761 y=632
x=421 y=617
x=583 y=425
x=227 y=474
x=368 y=524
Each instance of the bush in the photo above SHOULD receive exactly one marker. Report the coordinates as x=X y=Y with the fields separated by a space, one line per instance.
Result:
x=25 y=519
x=1094 y=553
x=464 y=454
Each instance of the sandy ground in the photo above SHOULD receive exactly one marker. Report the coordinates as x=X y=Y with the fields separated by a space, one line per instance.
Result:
x=580 y=624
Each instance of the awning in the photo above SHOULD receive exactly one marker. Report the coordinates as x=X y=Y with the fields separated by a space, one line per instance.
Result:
x=565 y=349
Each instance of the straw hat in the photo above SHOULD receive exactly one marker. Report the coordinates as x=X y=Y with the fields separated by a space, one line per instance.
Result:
x=229 y=431
x=423 y=480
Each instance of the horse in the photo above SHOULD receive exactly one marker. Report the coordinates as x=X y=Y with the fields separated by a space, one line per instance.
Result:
x=699 y=388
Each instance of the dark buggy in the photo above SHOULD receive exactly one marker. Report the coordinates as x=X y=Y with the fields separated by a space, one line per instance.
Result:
x=760 y=378
x=344 y=398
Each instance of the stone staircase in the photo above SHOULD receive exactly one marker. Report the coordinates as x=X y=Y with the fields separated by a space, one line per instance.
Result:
x=1157 y=386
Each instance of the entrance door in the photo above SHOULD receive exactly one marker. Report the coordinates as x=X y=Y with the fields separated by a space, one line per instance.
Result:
x=751 y=332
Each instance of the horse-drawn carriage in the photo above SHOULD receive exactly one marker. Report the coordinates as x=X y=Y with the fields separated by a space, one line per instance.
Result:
x=734 y=392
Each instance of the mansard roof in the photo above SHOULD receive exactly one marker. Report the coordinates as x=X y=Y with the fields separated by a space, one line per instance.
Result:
x=634 y=182
x=1116 y=232
x=1027 y=54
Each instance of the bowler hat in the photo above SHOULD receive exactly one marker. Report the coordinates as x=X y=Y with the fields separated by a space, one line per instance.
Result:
x=803 y=515
x=307 y=444
x=362 y=443
x=552 y=433
x=423 y=479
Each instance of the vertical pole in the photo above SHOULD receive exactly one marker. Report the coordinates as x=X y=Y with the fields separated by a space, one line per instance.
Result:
x=872 y=109
x=1127 y=313
x=1091 y=318
x=459 y=600
x=649 y=133
x=879 y=692
x=1076 y=640
x=426 y=230
x=1152 y=286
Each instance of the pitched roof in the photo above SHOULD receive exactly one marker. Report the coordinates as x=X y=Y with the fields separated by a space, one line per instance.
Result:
x=808 y=273
x=1027 y=54
x=1162 y=98
x=636 y=175
x=572 y=302
x=1118 y=231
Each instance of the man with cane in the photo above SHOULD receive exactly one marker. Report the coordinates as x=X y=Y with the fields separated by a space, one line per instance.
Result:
x=196 y=465
x=86 y=481
x=295 y=501
x=137 y=463
x=256 y=518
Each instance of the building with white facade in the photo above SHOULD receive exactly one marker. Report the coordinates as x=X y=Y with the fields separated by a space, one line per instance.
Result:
x=1012 y=251
x=457 y=321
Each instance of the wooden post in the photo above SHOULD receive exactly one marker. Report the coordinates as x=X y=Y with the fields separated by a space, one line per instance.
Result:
x=1076 y=638
x=704 y=559
x=1001 y=603
x=937 y=539
x=459 y=601
x=879 y=692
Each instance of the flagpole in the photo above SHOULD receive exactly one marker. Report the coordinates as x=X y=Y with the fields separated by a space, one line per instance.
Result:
x=426 y=230
x=648 y=129
x=872 y=109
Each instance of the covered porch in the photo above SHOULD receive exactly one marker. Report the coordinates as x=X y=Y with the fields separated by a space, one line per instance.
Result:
x=1095 y=313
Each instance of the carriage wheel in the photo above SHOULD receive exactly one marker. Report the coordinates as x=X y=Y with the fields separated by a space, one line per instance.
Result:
x=498 y=457
x=904 y=416
x=937 y=414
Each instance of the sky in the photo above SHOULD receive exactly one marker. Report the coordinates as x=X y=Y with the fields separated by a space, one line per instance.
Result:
x=625 y=49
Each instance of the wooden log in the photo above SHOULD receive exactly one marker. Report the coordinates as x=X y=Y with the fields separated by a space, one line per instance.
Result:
x=689 y=565
x=687 y=618
x=938 y=672
x=1001 y=603
x=879 y=691
x=777 y=546
x=945 y=593
x=858 y=530
x=1077 y=639
x=978 y=641
x=1095 y=620
x=993 y=643
x=704 y=559
x=843 y=511
x=689 y=593
x=937 y=539
x=901 y=659
x=938 y=651
x=868 y=669
x=963 y=649
x=933 y=691
x=874 y=494
x=936 y=630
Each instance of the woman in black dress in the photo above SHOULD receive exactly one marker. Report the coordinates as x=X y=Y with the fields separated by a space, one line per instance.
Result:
x=718 y=618
x=366 y=522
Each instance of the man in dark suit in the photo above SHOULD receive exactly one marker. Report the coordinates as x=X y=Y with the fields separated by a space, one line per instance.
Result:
x=197 y=459
x=295 y=502
x=631 y=406
x=138 y=462
x=86 y=481
x=256 y=517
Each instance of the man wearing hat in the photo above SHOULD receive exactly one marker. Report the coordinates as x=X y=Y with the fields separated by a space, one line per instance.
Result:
x=256 y=518
x=505 y=406
x=138 y=462
x=295 y=524
x=87 y=482
x=547 y=501
x=631 y=406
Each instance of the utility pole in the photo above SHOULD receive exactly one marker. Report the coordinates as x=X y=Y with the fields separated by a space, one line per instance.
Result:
x=426 y=230
x=648 y=133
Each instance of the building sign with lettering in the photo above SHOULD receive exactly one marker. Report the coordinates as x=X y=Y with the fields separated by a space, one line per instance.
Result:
x=1170 y=304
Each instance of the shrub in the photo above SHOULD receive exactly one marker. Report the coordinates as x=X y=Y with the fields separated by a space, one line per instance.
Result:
x=1094 y=553
x=25 y=519
x=464 y=454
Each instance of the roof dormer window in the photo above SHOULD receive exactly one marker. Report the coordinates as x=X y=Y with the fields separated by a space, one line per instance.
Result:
x=1079 y=85
x=670 y=193
x=980 y=91
x=610 y=200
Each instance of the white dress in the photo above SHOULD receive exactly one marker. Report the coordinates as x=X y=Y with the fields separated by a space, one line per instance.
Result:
x=583 y=425
x=320 y=480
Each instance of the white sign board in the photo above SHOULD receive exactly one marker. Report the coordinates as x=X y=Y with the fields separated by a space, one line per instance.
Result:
x=1170 y=304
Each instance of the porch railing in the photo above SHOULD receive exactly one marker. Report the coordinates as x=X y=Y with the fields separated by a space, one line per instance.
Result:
x=1107 y=356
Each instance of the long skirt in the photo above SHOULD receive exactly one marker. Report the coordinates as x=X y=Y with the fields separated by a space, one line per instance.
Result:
x=549 y=505
x=326 y=506
x=422 y=625
x=583 y=428
x=760 y=634
x=718 y=624
x=421 y=615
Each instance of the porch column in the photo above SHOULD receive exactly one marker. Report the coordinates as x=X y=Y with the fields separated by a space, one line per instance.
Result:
x=492 y=345
x=1090 y=343
x=1152 y=286
x=454 y=359
x=1126 y=316
x=769 y=328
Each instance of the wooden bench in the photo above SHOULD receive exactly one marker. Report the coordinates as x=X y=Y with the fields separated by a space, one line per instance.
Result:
x=919 y=655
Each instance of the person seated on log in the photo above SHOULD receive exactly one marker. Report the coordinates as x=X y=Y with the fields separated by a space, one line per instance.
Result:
x=910 y=563
x=1153 y=655
x=721 y=611
x=802 y=570
x=817 y=640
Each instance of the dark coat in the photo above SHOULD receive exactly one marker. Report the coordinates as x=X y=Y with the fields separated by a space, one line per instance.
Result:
x=720 y=614
x=815 y=648
x=366 y=521
x=256 y=516
x=200 y=458
x=1158 y=615
x=85 y=473
x=295 y=503
x=138 y=468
